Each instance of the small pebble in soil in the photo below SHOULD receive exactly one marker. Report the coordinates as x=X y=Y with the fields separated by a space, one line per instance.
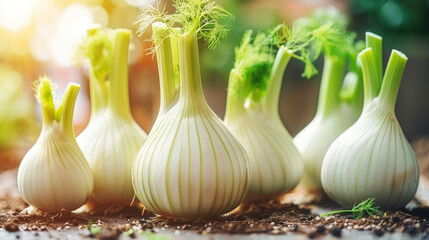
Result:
x=411 y=230
x=378 y=230
x=321 y=228
x=335 y=231
x=408 y=221
x=11 y=227
x=75 y=222
x=311 y=234
x=149 y=225
x=294 y=228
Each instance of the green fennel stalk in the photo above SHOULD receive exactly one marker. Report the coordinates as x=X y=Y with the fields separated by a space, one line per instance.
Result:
x=385 y=86
x=63 y=115
x=107 y=51
x=258 y=69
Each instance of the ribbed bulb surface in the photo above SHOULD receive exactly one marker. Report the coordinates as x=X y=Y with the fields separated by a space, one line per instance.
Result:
x=190 y=166
x=111 y=144
x=379 y=162
x=54 y=174
x=274 y=160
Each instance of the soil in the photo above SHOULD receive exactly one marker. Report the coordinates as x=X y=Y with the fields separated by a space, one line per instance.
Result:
x=268 y=218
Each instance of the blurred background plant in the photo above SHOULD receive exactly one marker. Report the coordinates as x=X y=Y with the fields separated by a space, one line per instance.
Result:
x=38 y=37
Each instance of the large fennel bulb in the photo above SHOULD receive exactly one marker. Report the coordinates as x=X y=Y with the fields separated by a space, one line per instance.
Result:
x=190 y=166
x=252 y=111
x=373 y=158
x=54 y=173
x=112 y=139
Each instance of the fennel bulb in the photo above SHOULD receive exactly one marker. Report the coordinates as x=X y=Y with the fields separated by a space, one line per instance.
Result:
x=190 y=166
x=373 y=158
x=339 y=104
x=334 y=115
x=112 y=139
x=54 y=173
x=252 y=109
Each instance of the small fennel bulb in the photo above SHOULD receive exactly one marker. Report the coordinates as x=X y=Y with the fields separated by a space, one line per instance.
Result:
x=112 y=139
x=252 y=109
x=373 y=158
x=54 y=173
x=340 y=99
x=190 y=166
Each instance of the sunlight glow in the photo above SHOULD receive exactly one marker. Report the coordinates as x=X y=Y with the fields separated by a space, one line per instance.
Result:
x=71 y=28
x=16 y=14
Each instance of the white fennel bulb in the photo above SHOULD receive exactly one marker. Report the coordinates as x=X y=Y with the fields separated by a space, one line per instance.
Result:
x=252 y=109
x=334 y=115
x=190 y=166
x=112 y=139
x=54 y=173
x=373 y=158
x=339 y=104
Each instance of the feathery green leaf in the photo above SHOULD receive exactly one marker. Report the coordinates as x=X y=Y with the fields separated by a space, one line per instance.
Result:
x=365 y=207
x=201 y=17
x=97 y=47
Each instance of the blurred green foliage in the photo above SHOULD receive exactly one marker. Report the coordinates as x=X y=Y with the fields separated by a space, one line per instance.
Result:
x=394 y=19
x=16 y=111
x=384 y=16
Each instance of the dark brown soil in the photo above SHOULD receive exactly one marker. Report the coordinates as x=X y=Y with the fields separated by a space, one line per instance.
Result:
x=269 y=218
x=276 y=218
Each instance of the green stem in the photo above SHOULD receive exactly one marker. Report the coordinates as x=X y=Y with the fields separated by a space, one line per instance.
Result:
x=66 y=109
x=375 y=42
x=369 y=73
x=392 y=78
x=175 y=56
x=46 y=101
x=234 y=100
x=97 y=92
x=352 y=91
x=165 y=65
x=191 y=91
x=330 y=86
x=119 y=98
x=272 y=94
x=335 y=212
